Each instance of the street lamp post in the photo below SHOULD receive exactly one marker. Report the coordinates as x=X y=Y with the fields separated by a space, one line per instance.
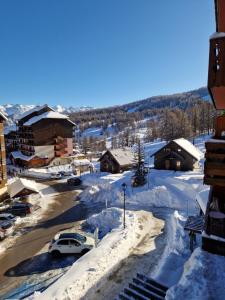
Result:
x=124 y=187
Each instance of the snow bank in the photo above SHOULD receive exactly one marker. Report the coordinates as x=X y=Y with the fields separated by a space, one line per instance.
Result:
x=101 y=261
x=203 y=278
x=108 y=220
x=176 y=252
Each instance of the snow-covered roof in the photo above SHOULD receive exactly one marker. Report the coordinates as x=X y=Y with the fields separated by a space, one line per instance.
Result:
x=3 y=116
x=20 y=155
x=21 y=183
x=188 y=147
x=202 y=199
x=35 y=109
x=46 y=115
x=10 y=128
x=185 y=145
x=217 y=35
x=215 y=141
x=122 y=156
x=81 y=162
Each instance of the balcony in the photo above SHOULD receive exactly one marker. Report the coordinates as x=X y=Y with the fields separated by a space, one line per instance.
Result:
x=216 y=74
x=214 y=168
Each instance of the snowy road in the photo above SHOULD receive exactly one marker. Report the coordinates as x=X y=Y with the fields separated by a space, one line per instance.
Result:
x=23 y=263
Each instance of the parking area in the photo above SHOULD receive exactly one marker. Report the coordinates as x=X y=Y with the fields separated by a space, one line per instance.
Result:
x=20 y=263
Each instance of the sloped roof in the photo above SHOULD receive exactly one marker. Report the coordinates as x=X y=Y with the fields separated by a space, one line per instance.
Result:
x=123 y=156
x=35 y=109
x=188 y=147
x=9 y=129
x=185 y=145
x=20 y=155
x=47 y=115
x=19 y=184
x=2 y=116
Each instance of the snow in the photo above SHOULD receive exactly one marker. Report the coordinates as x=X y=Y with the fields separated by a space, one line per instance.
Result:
x=21 y=183
x=33 y=109
x=217 y=35
x=20 y=155
x=112 y=249
x=10 y=128
x=171 y=195
x=46 y=115
x=203 y=278
x=189 y=147
x=123 y=156
x=93 y=131
x=202 y=199
x=216 y=141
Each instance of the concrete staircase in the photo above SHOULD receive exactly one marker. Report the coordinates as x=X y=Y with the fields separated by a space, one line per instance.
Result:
x=143 y=288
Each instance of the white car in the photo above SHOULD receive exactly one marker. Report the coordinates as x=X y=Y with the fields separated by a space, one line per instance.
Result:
x=70 y=243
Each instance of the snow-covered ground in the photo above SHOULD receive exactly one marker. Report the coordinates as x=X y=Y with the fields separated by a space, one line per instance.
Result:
x=168 y=194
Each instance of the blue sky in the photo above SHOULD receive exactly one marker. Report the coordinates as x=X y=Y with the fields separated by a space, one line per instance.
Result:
x=102 y=52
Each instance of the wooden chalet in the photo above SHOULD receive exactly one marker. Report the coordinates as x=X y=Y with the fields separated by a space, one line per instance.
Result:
x=117 y=160
x=177 y=155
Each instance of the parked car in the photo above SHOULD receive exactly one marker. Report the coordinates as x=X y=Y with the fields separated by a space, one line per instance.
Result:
x=20 y=209
x=6 y=224
x=2 y=233
x=56 y=176
x=7 y=217
x=74 y=181
x=70 y=243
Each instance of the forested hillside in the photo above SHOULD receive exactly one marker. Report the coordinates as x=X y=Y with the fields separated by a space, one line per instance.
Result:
x=167 y=117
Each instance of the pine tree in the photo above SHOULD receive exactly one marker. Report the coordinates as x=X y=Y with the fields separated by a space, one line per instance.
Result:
x=139 y=176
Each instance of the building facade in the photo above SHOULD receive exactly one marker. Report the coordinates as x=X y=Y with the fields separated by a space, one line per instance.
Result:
x=177 y=155
x=117 y=160
x=3 y=170
x=43 y=134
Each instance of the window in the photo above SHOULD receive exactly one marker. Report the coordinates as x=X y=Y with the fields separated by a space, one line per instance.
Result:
x=63 y=242
x=75 y=243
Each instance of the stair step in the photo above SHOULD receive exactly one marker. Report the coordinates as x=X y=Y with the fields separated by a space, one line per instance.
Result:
x=152 y=282
x=135 y=295
x=123 y=296
x=149 y=287
x=141 y=290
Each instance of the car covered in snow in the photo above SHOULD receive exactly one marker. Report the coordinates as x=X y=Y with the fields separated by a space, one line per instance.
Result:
x=8 y=217
x=71 y=243
x=75 y=181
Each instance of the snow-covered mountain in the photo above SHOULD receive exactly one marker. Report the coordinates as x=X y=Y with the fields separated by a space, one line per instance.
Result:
x=14 y=111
